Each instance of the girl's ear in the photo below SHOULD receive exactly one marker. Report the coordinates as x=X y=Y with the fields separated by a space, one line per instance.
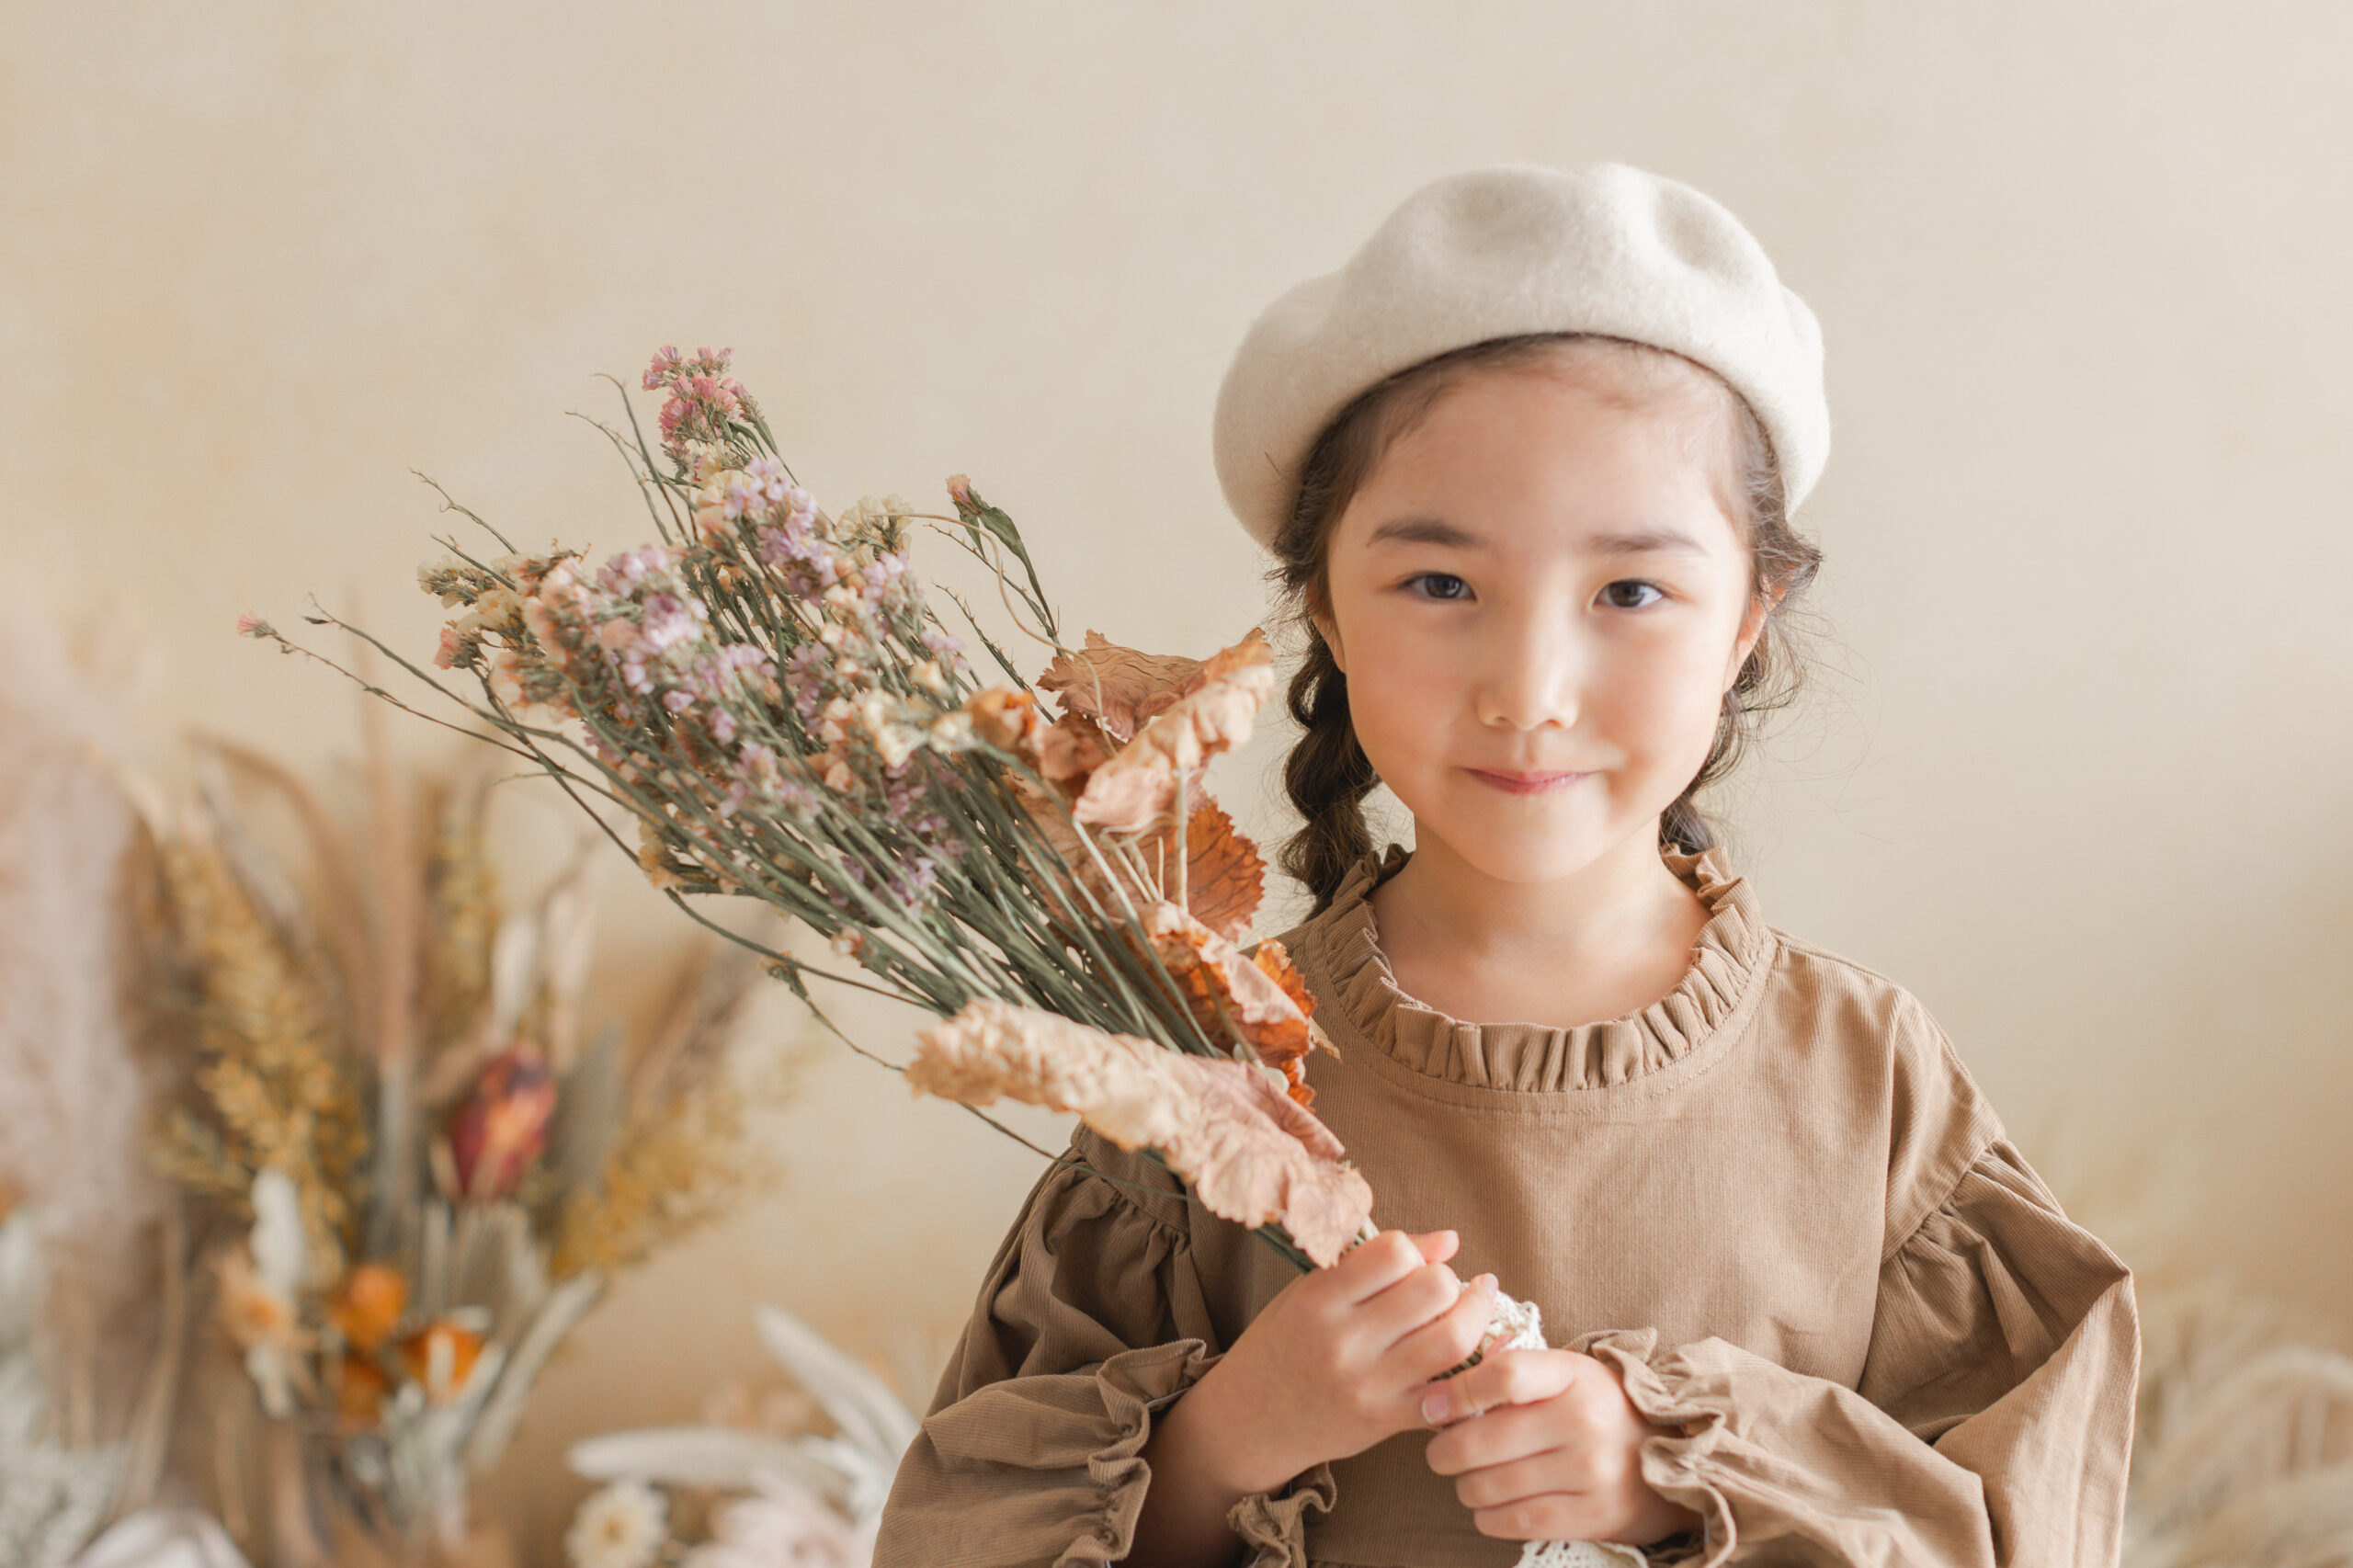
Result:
x=1329 y=630
x=1761 y=606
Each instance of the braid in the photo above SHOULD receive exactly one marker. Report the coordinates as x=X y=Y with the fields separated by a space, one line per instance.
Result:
x=1327 y=777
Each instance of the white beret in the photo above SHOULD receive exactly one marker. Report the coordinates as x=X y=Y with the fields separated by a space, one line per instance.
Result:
x=1501 y=252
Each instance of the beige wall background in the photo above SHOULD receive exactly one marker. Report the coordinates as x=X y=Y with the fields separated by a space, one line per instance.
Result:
x=2077 y=767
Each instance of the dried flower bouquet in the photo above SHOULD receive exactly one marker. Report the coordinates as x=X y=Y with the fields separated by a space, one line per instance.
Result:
x=770 y=696
x=423 y=1153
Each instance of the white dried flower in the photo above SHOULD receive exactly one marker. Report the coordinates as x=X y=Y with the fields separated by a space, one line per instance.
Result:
x=953 y=731
x=783 y=1524
x=620 y=1525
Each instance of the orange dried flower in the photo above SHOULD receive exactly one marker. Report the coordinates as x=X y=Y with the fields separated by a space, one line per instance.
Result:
x=441 y=1357
x=1006 y=719
x=360 y=1387
x=367 y=1305
x=254 y=1311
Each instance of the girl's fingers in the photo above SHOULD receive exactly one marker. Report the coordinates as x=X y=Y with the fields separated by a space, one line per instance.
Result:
x=1499 y=1486
x=1437 y=1247
x=1372 y=1266
x=1549 y=1516
x=1504 y=1436
x=1445 y=1341
x=1420 y=1298
x=1502 y=1377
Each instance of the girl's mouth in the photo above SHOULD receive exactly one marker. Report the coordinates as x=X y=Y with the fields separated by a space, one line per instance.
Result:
x=1525 y=783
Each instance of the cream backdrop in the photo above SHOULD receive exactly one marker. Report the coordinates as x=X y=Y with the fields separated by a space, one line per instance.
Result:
x=2075 y=772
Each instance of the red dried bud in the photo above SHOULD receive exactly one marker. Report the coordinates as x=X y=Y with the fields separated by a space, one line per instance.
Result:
x=503 y=1125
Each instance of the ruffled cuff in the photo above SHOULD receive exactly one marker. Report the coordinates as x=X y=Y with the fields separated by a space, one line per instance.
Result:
x=1678 y=1469
x=1046 y=1468
x=1274 y=1524
x=1135 y=1386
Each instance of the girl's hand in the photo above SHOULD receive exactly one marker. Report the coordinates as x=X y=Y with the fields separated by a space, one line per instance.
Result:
x=1341 y=1358
x=1544 y=1444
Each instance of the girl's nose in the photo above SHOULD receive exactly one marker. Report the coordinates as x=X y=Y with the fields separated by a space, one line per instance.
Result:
x=1530 y=676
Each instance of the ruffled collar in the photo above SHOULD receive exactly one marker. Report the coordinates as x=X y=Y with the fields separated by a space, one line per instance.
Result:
x=1729 y=962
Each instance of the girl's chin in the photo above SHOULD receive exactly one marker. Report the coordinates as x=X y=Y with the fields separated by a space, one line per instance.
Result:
x=1530 y=842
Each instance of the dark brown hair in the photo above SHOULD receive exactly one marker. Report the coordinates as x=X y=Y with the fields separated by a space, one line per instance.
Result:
x=1327 y=773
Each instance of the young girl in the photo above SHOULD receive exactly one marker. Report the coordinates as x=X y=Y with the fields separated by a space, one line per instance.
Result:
x=1526 y=466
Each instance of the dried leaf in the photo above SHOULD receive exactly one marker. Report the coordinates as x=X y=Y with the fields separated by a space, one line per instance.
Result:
x=1125 y=1088
x=1232 y=995
x=1227 y=1128
x=1226 y=877
x=1118 y=688
x=1253 y=1156
x=1137 y=788
x=1274 y=961
x=1070 y=750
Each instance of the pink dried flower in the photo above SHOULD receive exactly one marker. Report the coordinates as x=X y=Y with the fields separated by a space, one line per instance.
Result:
x=251 y=625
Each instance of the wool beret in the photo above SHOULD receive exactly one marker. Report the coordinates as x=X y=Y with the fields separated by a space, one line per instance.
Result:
x=1501 y=252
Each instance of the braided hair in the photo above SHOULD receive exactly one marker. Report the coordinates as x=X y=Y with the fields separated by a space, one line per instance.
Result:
x=1327 y=773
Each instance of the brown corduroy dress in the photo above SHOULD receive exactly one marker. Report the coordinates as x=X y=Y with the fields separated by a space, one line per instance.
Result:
x=1773 y=1200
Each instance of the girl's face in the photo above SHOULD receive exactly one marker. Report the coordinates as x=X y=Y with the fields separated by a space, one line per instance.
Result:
x=1539 y=599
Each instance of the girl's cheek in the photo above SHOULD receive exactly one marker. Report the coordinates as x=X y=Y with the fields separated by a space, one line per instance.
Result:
x=1664 y=707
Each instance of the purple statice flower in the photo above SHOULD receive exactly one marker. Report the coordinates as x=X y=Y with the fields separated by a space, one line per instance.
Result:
x=621 y=574
x=703 y=401
x=880 y=575
x=764 y=479
x=909 y=886
x=669 y=619
x=804 y=677
x=809 y=564
x=667 y=363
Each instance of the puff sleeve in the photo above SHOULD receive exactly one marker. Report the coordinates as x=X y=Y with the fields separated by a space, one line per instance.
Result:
x=1091 y=1319
x=1991 y=1424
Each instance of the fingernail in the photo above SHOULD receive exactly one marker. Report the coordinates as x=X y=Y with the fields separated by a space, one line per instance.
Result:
x=1437 y=1406
x=1486 y=1282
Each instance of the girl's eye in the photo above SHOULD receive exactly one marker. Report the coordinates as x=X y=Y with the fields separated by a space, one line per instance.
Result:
x=1440 y=586
x=1630 y=594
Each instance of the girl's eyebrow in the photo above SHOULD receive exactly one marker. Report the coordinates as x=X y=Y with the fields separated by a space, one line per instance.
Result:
x=1439 y=531
x=1424 y=530
x=1648 y=541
